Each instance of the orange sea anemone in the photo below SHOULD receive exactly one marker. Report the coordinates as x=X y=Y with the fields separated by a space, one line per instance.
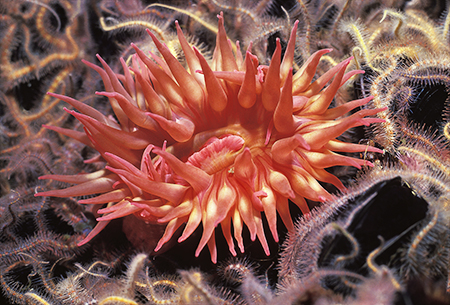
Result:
x=219 y=143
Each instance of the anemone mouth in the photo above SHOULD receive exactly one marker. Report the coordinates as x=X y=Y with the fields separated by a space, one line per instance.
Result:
x=255 y=136
x=218 y=155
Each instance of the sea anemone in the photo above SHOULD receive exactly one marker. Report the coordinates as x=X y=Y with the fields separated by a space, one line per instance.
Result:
x=216 y=143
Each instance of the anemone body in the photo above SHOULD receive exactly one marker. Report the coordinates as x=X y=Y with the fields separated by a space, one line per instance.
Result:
x=218 y=143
